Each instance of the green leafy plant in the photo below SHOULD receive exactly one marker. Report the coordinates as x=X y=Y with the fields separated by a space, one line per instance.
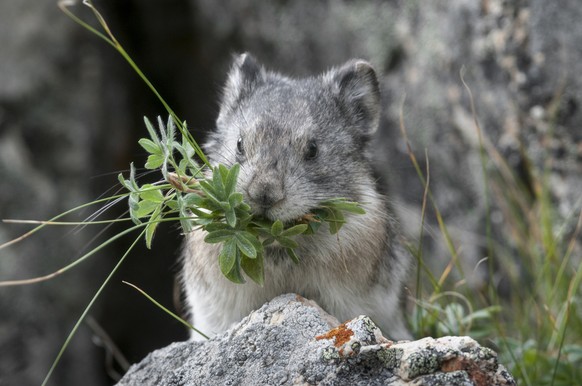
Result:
x=209 y=201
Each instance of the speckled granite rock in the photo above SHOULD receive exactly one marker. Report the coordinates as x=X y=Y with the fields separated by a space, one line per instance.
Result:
x=288 y=341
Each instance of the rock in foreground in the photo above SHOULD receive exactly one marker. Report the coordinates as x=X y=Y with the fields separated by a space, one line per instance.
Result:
x=288 y=341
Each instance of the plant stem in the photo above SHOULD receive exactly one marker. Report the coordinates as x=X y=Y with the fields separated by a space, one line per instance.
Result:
x=173 y=315
x=84 y=314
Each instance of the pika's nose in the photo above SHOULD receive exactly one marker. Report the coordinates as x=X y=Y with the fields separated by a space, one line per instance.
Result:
x=265 y=192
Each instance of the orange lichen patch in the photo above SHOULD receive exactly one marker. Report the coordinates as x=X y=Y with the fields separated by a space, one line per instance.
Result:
x=477 y=375
x=341 y=334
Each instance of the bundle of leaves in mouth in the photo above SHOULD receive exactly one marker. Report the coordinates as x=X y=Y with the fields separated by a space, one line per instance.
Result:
x=210 y=201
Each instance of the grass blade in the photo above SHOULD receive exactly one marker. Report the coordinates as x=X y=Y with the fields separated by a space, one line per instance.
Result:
x=86 y=311
x=173 y=315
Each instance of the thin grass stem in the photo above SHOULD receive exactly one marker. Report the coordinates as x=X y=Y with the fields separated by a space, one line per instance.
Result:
x=173 y=315
x=38 y=228
x=89 y=306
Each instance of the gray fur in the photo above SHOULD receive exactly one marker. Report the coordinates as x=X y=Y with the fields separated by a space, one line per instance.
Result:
x=362 y=269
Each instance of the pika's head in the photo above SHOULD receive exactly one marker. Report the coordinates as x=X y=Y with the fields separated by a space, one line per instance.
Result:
x=298 y=141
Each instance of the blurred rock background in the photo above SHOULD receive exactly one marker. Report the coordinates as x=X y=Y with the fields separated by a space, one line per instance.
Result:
x=71 y=112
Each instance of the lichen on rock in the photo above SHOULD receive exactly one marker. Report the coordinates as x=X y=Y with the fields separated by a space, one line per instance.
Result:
x=306 y=346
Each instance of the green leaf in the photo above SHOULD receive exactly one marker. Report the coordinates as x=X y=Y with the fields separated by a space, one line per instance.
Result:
x=150 y=146
x=134 y=218
x=154 y=161
x=268 y=241
x=253 y=240
x=185 y=149
x=231 y=178
x=124 y=182
x=244 y=219
x=347 y=206
x=230 y=216
x=151 y=227
x=254 y=268
x=186 y=220
x=183 y=166
x=235 y=199
x=245 y=246
x=335 y=219
x=215 y=226
x=321 y=213
x=170 y=131
x=277 y=228
x=201 y=221
x=210 y=191
x=292 y=255
x=234 y=275
x=312 y=227
x=202 y=214
x=264 y=231
x=162 y=130
x=223 y=170
x=132 y=177
x=145 y=208
x=334 y=227
x=295 y=230
x=173 y=204
x=133 y=201
x=287 y=242
x=355 y=209
x=149 y=234
x=152 y=131
x=193 y=199
x=219 y=236
x=218 y=185
x=186 y=223
x=227 y=256
x=151 y=193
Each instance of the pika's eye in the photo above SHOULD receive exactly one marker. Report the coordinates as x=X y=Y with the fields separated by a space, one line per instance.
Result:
x=311 y=150
x=239 y=146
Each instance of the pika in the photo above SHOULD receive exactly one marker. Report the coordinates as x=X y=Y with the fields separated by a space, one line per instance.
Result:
x=300 y=142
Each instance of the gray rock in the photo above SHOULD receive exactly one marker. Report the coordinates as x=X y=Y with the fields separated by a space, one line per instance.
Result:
x=288 y=341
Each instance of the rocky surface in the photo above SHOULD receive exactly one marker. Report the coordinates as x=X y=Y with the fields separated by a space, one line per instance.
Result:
x=288 y=341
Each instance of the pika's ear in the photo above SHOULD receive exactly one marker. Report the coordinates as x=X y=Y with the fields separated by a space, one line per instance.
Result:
x=244 y=76
x=356 y=86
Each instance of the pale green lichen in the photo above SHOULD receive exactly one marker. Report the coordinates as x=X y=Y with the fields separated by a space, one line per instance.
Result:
x=330 y=353
x=460 y=378
x=423 y=362
x=390 y=357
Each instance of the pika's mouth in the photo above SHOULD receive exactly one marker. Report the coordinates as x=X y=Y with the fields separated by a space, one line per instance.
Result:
x=268 y=217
